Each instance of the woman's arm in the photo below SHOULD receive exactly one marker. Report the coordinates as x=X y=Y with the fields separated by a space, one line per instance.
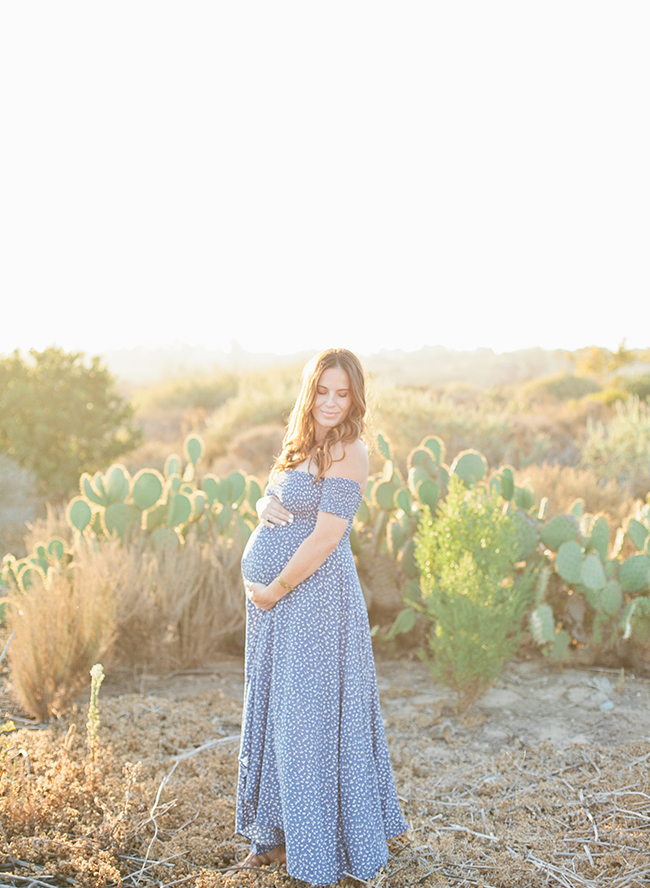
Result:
x=307 y=558
x=321 y=542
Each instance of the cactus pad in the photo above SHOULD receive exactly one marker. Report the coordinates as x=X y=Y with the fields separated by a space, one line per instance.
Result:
x=404 y=500
x=638 y=533
x=599 y=539
x=569 y=562
x=210 y=486
x=524 y=498
x=507 y=483
x=396 y=537
x=542 y=624
x=428 y=493
x=415 y=477
x=633 y=575
x=147 y=488
x=385 y=495
x=560 y=530
x=172 y=466
x=235 y=487
x=117 y=483
x=118 y=517
x=384 y=447
x=363 y=513
x=79 y=513
x=592 y=574
x=89 y=490
x=611 y=598
x=193 y=447
x=421 y=458
x=435 y=445
x=578 y=508
x=470 y=466
x=180 y=510
x=527 y=535
x=253 y=492
x=154 y=517
x=56 y=549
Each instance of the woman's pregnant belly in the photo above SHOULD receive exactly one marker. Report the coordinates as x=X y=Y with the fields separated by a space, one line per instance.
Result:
x=269 y=549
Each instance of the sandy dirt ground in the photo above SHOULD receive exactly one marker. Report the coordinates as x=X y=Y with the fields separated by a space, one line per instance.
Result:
x=544 y=781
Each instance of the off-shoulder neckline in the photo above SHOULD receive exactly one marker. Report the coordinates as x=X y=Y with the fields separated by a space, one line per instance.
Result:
x=332 y=477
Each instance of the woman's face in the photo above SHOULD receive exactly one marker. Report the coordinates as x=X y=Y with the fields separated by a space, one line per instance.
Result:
x=333 y=400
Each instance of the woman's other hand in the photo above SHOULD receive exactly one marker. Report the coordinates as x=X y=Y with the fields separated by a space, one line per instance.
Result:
x=272 y=512
x=260 y=595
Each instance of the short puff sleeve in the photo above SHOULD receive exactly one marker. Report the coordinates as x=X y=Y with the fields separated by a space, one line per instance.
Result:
x=341 y=497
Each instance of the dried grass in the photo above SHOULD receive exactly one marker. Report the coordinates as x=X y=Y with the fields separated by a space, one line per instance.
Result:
x=63 y=625
x=177 y=606
x=522 y=817
x=563 y=485
x=173 y=608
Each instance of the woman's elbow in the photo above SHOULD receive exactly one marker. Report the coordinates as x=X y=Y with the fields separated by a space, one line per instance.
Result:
x=327 y=542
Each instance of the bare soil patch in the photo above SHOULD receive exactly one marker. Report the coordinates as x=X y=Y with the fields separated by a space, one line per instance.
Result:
x=545 y=781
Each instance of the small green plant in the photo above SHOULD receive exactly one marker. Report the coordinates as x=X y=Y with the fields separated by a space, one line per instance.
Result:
x=474 y=597
x=92 y=725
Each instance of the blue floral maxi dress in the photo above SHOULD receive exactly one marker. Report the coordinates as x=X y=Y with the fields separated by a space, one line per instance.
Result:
x=314 y=771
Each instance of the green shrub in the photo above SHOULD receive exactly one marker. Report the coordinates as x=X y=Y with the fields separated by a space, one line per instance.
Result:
x=619 y=449
x=60 y=417
x=206 y=390
x=559 y=387
x=473 y=597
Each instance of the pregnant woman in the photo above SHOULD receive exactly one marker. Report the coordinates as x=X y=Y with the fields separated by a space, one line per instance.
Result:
x=315 y=783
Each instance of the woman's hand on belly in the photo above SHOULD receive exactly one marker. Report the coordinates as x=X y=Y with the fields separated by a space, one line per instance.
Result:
x=261 y=596
x=271 y=512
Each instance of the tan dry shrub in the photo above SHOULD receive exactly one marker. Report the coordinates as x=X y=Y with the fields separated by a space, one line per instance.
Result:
x=563 y=485
x=176 y=606
x=253 y=451
x=52 y=524
x=63 y=625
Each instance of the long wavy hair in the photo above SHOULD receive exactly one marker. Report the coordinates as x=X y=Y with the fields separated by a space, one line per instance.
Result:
x=300 y=438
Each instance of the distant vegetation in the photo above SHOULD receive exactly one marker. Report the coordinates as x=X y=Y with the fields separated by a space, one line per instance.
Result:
x=155 y=541
x=60 y=416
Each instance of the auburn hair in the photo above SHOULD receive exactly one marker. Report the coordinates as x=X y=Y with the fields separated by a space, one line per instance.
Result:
x=300 y=437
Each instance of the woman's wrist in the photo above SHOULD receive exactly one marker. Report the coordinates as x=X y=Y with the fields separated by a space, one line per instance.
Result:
x=285 y=585
x=280 y=589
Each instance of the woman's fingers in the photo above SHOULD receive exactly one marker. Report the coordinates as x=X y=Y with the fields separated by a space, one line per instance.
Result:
x=276 y=514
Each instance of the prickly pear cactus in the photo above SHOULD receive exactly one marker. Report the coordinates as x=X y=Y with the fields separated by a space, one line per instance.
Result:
x=560 y=530
x=633 y=575
x=569 y=562
x=637 y=532
x=525 y=498
x=506 y=478
x=592 y=574
x=147 y=488
x=528 y=535
x=599 y=537
x=193 y=448
x=470 y=466
x=79 y=514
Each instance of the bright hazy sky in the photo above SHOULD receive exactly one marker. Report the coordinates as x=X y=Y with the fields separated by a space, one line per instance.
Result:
x=300 y=175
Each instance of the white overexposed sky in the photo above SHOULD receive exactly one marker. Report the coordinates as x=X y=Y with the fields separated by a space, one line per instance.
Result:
x=296 y=175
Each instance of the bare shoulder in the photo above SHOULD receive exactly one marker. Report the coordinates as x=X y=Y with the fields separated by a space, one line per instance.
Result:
x=351 y=463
